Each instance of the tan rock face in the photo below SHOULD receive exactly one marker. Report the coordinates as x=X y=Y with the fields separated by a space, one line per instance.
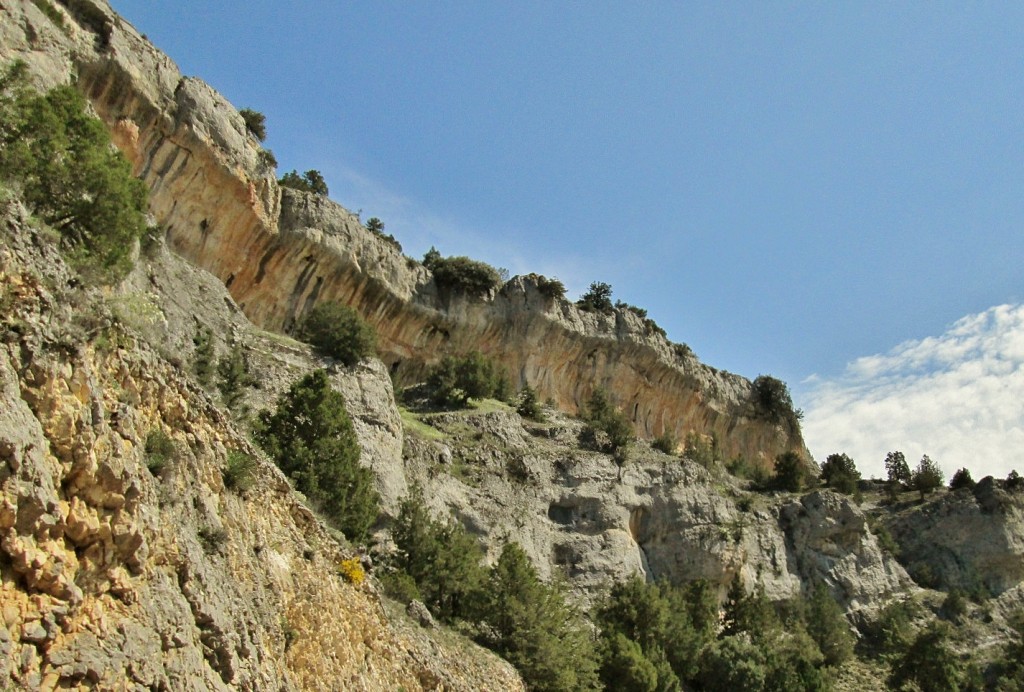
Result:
x=281 y=253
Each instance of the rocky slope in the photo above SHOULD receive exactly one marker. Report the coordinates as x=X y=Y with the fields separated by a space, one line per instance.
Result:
x=278 y=255
x=117 y=574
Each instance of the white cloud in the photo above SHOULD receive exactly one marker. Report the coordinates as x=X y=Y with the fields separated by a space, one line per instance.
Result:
x=956 y=397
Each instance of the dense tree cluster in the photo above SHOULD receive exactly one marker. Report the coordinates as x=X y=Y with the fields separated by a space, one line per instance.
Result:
x=70 y=175
x=529 y=622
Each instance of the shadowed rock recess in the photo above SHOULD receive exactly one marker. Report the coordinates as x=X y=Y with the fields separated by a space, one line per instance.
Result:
x=124 y=569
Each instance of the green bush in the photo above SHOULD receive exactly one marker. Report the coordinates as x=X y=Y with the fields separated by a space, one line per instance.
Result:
x=240 y=472
x=840 y=473
x=602 y=416
x=266 y=160
x=896 y=468
x=255 y=123
x=929 y=662
x=531 y=625
x=376 y=226
x=961 y=480
x=790 y=472
x=71 y=176
x=665 y=443
x=338 y=331
x=552 y=289
x=233 y=376
x=698 y=448
x=772 y=401
x=311 y=438
x=204 y=356
x=457 y=379
x=462 y=274
x=310 y=181
x=528 y=405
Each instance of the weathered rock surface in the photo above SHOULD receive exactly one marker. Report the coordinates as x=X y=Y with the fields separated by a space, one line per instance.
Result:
x=967 y=539
x=115 y=576
x=281 y=253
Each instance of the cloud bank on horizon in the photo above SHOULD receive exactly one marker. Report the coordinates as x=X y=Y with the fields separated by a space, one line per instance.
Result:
x=956 y=397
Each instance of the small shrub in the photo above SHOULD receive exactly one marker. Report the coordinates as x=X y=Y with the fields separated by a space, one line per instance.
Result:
x=954 y=606
x=552 y=289
x=212 y=539
x=266 y=160
x=457 y=379
x=885 y=540
x=528 y=405
x=72 y=177
x=233 y=376
x=51 y=12
x=926 y=477
x=840 y=473
x=376 y=226
x=321 y=456
x=337 y=331
x=160 y=450
x=352 y=570
x=703 y=451
x=255 y=123
x=240 y=472
x=682 y=351
x=1014 y=481
x=203 y=358
x=400 y=586
x=602 y=416
x=665 y=443
x=772 y=401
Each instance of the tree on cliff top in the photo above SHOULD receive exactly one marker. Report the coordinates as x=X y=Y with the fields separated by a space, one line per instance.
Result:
x=310 y=181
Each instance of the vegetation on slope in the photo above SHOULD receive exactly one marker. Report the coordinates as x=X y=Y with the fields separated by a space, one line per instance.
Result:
x=70 y=175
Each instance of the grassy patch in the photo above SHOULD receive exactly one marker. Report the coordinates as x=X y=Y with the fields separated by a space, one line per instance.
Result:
x=412 y=423
x=489 y=406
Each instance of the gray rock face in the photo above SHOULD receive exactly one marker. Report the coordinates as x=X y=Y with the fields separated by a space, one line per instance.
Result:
x=965 y=539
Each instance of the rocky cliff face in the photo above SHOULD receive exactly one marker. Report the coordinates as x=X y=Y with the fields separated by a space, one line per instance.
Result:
x=118 y=574
x=280 y=254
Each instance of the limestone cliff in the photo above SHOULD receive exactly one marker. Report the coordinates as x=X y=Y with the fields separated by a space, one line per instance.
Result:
x=280 y=253
x=118 y=573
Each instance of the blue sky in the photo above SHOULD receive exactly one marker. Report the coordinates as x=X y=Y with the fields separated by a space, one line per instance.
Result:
x=789 y=188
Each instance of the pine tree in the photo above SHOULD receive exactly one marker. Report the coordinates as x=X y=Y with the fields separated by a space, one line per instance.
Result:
x=311 y=437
